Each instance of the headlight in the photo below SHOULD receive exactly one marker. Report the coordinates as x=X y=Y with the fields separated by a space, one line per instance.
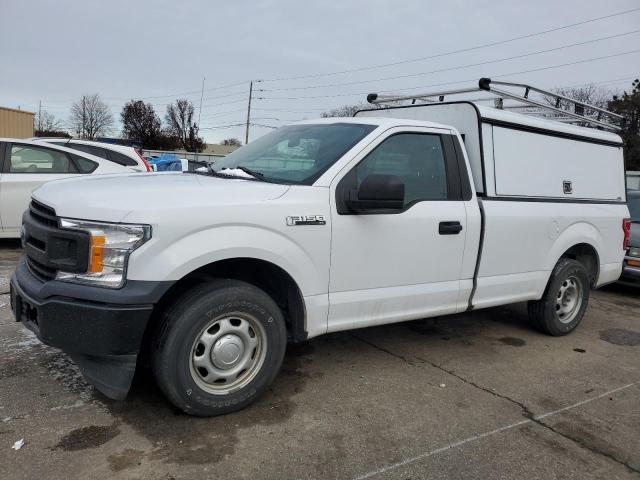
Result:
x=634 y=252
x=110 y=247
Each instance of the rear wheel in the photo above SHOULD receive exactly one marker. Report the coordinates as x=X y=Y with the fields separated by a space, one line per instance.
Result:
x=565 y=300
x=219 y=347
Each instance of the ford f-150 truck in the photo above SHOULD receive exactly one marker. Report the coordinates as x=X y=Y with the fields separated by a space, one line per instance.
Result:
x=396 y=214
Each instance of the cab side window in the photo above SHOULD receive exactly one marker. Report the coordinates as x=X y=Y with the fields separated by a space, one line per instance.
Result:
x=417 y=158
x=30 y=159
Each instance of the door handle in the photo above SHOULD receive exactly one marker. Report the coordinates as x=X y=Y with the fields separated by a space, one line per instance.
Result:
x=449 y=228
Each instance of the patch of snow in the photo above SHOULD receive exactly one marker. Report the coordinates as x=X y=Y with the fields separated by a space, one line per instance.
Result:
x=30 y=340
x=18 y=445
x=78 y=404
x=235 y=172
x=62 y=369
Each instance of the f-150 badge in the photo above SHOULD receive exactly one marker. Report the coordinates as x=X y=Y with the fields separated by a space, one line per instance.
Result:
x=295 y=220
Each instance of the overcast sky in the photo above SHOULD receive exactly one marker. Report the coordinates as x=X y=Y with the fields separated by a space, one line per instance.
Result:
x=55 y=51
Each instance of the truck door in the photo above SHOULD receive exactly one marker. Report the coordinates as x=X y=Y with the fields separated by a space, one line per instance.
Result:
x=394 y=265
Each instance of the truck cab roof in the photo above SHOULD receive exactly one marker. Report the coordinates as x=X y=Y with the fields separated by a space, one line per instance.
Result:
x=386 y=122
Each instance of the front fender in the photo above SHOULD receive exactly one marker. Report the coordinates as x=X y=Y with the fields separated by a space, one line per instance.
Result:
x=307 y=266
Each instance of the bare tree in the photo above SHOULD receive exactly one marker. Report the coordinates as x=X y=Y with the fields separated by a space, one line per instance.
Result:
x=346 y=110
x=180 y=123
x=589 y=94
x=46 y=122
x=140 y=122
x=232 y=142
x=628 y=105
x=90 y=117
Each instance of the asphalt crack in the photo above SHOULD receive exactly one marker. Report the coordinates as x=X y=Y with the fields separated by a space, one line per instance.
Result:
x=526 y=412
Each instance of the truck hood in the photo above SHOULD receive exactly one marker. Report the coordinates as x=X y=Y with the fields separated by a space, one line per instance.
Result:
x=112 y=197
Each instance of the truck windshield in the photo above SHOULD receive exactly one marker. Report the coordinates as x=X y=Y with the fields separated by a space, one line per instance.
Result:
x=296 y=154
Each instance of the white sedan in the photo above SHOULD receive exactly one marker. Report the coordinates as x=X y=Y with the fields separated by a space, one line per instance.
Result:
x=120 y=154
x=25 y=165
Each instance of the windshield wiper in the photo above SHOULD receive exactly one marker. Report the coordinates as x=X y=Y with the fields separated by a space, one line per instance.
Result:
x=209 y=173
x=217 y=173
x=253 y=173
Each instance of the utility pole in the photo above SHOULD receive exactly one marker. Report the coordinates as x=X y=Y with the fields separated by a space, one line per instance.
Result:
x=246 y=137
x=201 y=95
x=200 y=111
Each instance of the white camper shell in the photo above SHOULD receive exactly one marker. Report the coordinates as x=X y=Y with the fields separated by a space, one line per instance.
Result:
x=518 y=156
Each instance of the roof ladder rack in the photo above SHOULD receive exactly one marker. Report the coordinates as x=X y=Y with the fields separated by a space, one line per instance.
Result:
x=551 y=102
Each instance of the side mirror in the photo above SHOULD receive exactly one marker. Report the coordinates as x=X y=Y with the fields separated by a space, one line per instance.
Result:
x=377 y=192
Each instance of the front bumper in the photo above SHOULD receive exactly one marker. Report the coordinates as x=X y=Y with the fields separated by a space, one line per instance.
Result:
x=100 y=329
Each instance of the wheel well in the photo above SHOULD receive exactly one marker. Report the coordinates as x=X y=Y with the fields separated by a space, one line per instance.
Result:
x=276 y=282
x=588 y=256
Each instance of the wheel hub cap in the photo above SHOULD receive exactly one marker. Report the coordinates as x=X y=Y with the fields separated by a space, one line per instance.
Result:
x=569 y=300
x=227 y=351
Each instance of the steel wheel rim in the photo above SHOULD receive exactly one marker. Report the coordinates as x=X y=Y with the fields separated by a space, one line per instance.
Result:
x=228 y=353
x=569 y=300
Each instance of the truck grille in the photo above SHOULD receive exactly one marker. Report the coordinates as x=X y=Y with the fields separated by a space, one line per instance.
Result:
x=43 y=214
x=49 y=248
x=41 y=271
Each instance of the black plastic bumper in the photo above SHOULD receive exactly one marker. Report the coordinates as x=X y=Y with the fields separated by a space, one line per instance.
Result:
x=630 y=274
x=100 y=329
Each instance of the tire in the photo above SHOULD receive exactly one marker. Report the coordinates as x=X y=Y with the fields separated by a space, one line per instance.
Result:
x=562 y=306
x=218 y=347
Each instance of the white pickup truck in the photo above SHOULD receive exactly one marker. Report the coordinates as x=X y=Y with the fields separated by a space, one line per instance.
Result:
x=319 y=226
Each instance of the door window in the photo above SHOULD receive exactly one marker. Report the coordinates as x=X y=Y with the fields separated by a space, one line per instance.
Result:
x=417 y=158
x=29 y=159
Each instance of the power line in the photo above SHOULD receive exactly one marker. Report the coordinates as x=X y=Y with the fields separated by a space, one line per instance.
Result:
x=452 y=52
x=220 y=114
x=233 y=125
x=458 y=67
x=461 y=81
x=223 y=103
x=220 y=87
x=288 y=111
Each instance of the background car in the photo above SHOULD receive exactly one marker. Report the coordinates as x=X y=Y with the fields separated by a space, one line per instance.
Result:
x=631 y=265
x=120 y=154
x=169 y=162
x=27 y=164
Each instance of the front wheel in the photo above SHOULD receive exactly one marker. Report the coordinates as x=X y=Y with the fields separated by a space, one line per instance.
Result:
x=564 y=301
x=219 y=347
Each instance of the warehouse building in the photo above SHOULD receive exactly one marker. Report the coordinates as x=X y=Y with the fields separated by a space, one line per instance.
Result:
x=16 y=123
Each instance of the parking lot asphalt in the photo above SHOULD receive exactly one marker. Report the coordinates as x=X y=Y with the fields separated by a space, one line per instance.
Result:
x=476 y=395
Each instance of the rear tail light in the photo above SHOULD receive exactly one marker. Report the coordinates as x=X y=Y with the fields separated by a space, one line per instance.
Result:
x=144 y=160
x=626 y=228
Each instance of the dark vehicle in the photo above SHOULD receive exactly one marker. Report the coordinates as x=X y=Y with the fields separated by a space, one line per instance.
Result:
x=631 y=265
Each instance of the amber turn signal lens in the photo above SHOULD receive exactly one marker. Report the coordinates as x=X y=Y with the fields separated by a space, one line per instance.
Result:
x=97 y=253
x=633 y=263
